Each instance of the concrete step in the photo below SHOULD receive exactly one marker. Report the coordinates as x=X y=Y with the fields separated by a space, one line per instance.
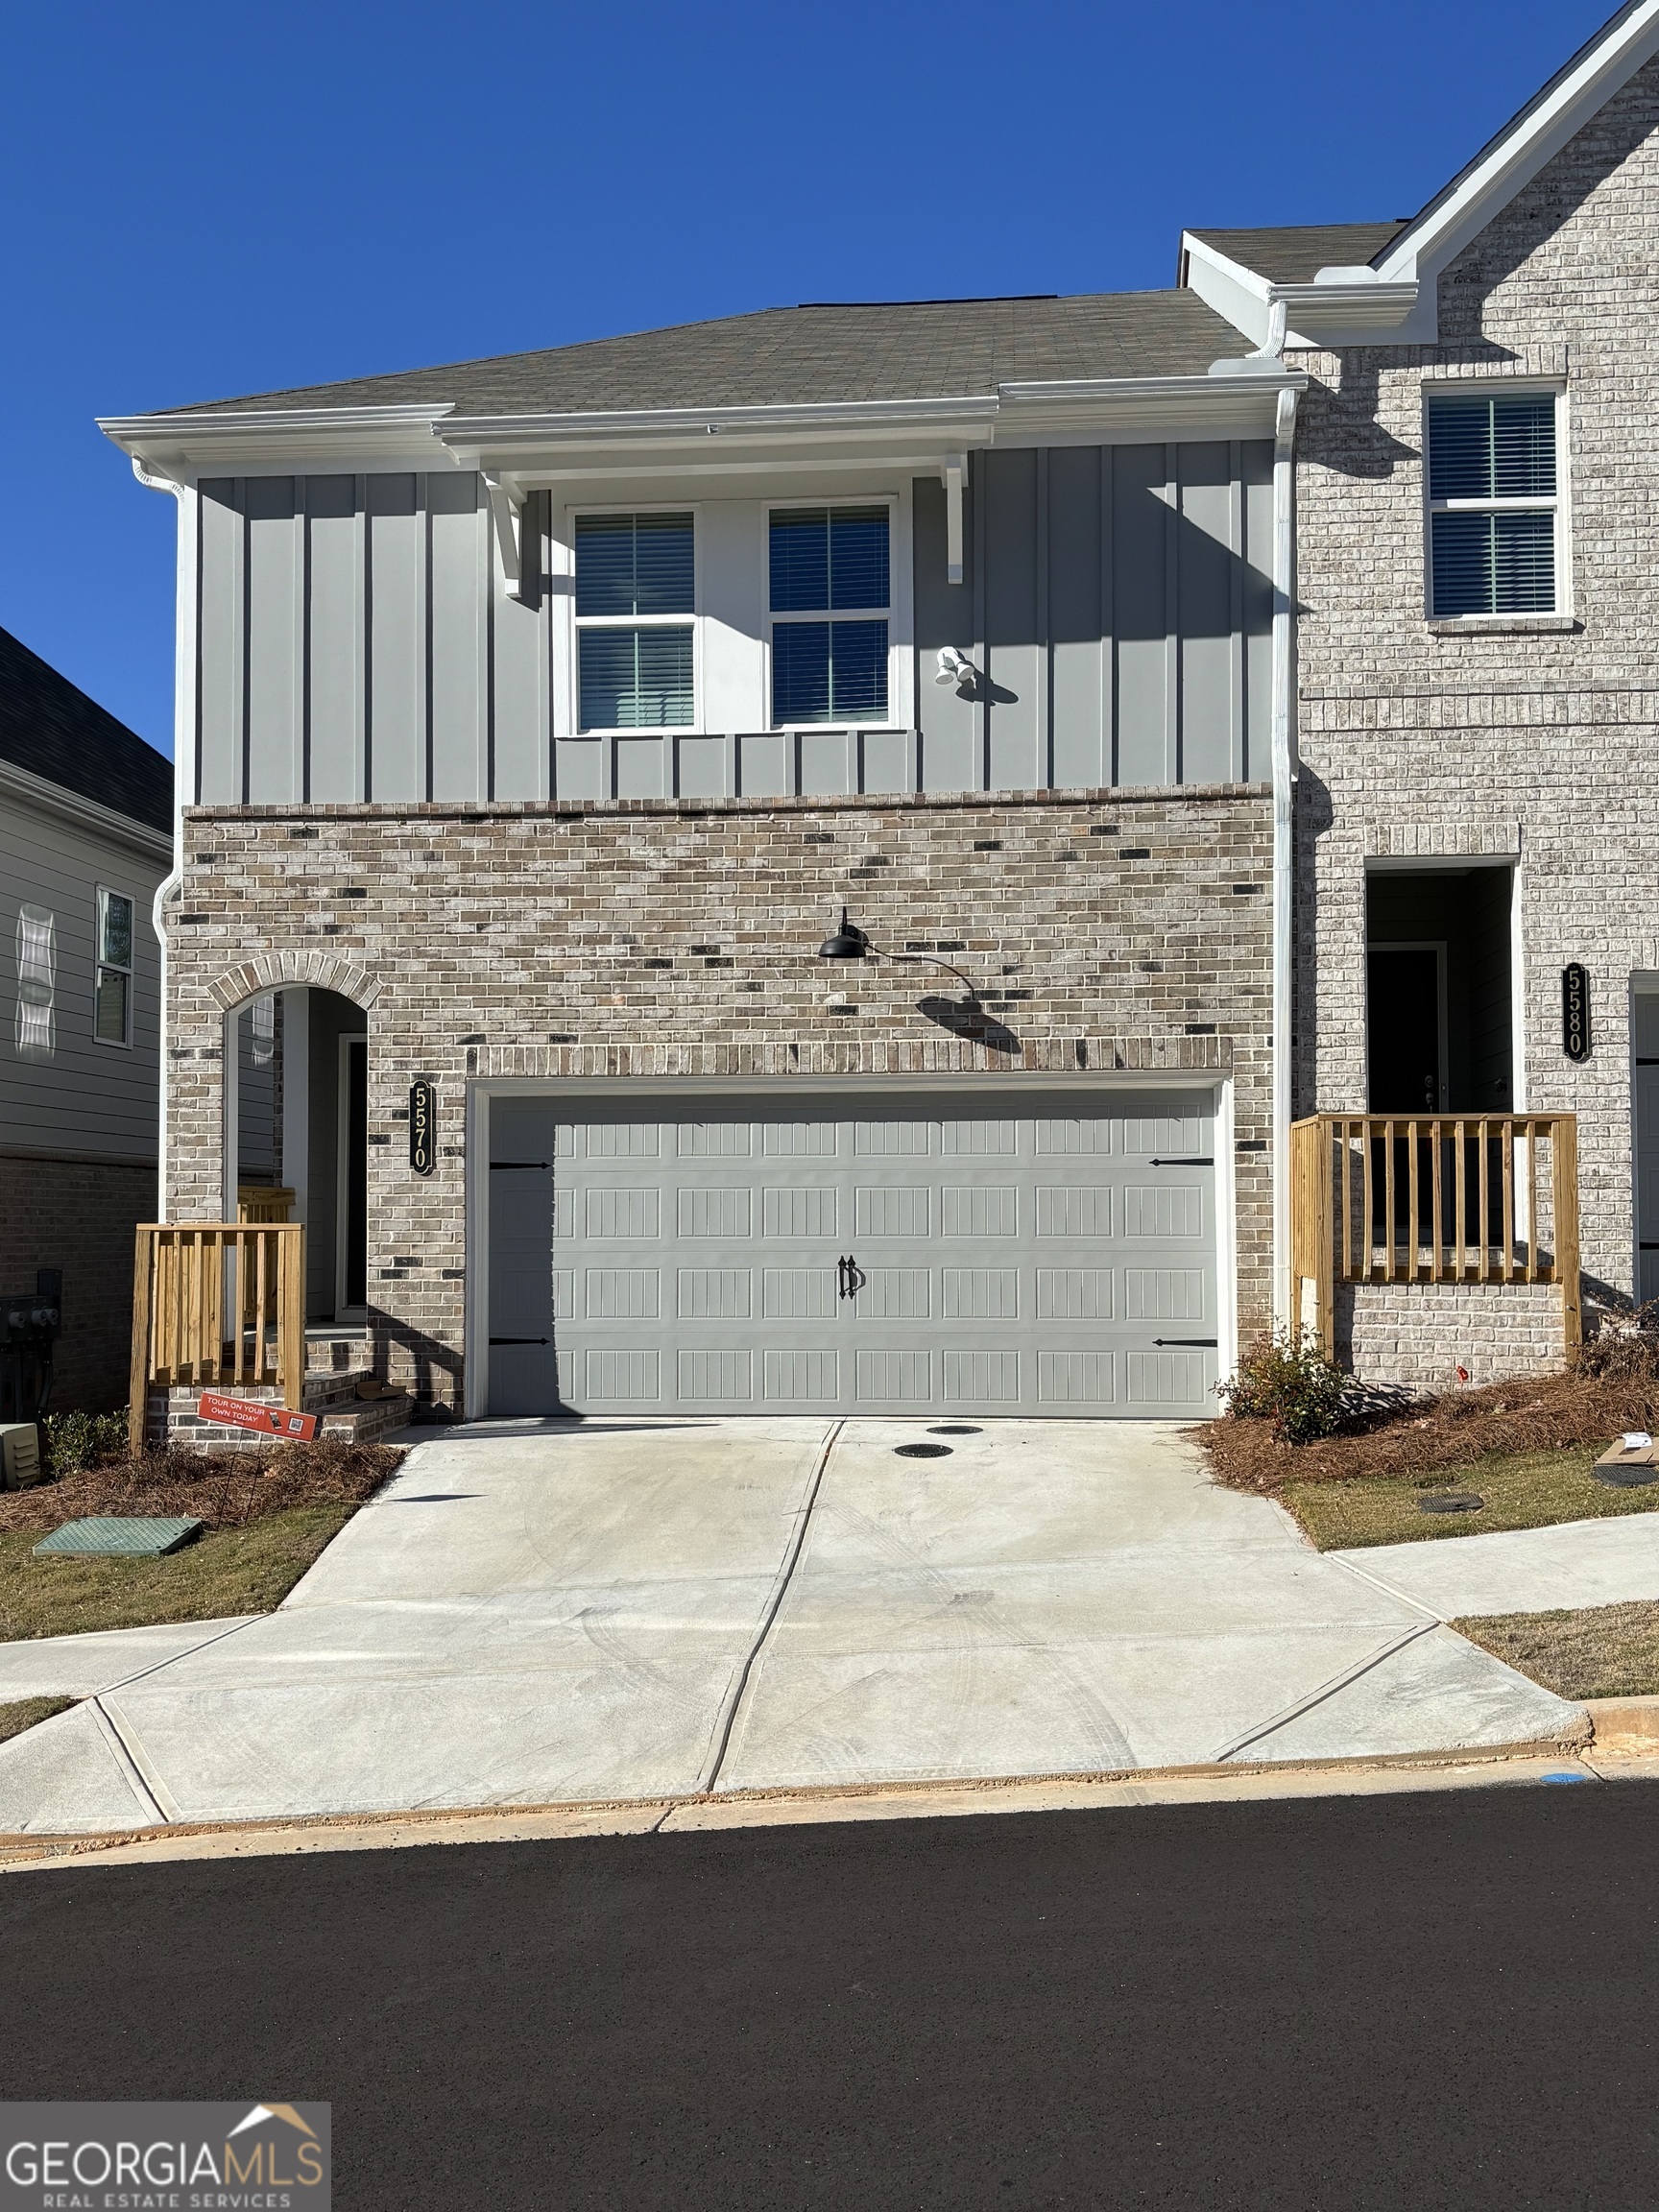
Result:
x=368 y=1419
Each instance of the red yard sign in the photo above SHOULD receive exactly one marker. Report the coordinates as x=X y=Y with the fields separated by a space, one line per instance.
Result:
x=267 y=1420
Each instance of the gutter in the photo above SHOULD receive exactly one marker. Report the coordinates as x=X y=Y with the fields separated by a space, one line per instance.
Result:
x=1284 y=750
x=183 y=764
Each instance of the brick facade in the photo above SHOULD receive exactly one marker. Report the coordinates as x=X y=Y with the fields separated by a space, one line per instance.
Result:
x=1122 y=931
x=1419 y=1334
x=78 y=1215
x=1537 y=742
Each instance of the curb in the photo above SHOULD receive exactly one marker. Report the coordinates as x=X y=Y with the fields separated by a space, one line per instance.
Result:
x=1386 y=1773
x=1625 y=1726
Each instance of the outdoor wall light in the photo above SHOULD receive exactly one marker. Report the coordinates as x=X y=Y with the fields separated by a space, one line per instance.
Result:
x=955 y=668
x=849 y=943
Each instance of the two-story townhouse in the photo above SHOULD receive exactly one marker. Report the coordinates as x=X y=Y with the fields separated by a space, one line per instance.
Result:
x=1477 y=717
x=539 y=716
x=85 y=838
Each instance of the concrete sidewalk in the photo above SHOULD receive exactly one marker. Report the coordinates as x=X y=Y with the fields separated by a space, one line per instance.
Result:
x=538 y=1614
x=1610 y=1562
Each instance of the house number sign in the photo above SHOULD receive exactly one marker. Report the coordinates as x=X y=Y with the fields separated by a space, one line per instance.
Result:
x=422 y=1126
x=1574 y=1012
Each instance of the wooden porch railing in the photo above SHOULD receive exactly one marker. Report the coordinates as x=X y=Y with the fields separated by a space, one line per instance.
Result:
x=217 y=1304
x=1433 y=1198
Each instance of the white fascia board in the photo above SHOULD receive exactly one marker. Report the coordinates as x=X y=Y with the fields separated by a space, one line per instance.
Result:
x=1127 y=410
x=27 y=789
x=235 y=441
x=1514 y=158
x=629 y=425
x=1360 y=310
x=1238 y=295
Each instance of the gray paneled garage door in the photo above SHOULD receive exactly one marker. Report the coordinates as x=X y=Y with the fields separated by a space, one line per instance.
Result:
x=855 y=1253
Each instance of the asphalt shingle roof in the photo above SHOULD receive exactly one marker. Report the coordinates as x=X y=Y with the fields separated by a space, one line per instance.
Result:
x=1295 y=257
x=53 y=731
x=912 y=350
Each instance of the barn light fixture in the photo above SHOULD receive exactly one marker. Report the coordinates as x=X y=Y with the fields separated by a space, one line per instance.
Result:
x=849 y=942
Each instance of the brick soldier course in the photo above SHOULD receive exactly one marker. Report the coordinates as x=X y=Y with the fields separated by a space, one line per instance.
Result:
x=1120 y=931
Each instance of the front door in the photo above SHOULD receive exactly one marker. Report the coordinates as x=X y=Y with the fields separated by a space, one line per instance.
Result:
x=1403 y=1029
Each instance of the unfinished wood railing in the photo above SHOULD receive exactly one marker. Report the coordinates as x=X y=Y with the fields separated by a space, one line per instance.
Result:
x=217 y=1304
x=1433 y=1198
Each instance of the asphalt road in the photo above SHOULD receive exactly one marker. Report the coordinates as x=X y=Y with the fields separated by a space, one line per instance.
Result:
x=1434 y=2000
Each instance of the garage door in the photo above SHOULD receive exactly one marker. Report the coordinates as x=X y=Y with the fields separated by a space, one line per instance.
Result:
x=854 y=1254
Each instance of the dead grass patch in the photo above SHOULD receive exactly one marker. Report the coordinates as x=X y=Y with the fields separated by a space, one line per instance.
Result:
x=25 y=1711
x=1525 y=1490
x=1595 y=1651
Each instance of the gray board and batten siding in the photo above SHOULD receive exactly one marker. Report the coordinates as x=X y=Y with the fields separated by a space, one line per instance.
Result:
x=358 y=644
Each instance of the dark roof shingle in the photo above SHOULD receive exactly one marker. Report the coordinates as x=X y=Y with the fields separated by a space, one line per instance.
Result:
x=917 y=349
x=53 y=731
x=1297 y=255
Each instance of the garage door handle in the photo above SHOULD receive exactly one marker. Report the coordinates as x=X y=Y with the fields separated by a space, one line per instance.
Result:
x=1211 y=1343
x=848 y=1277
x=1206 y=1163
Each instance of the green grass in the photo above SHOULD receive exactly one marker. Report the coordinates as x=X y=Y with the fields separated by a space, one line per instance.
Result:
x=1523 y=1490
x=14 y=1719
x=1599 y=1651
x=226 y=1571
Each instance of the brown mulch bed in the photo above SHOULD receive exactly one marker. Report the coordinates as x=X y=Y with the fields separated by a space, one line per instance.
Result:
x=1542 y=1413
x=222 y=1489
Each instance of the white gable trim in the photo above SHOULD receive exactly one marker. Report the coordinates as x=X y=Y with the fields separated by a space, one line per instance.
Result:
x=1396 y=303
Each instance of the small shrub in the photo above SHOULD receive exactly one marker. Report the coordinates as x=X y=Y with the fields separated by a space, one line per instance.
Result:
x=1287 y=1382
x=74 y=1442
x=1625 y=1348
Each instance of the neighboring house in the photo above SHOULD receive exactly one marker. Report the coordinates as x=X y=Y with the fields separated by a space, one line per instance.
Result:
x=1188 y=761
x=85 y=838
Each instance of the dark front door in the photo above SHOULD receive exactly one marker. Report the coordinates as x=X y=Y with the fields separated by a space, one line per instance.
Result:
x=1402 y=1031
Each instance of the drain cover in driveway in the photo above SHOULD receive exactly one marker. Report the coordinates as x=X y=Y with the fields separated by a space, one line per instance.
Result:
x=923 y=1451
x=954 y=1429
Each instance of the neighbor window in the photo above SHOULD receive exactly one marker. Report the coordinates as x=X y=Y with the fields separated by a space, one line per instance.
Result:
x=636 y=585
x=829 y=609
x=1492 y=503
x=113 y=999
x=36 y=982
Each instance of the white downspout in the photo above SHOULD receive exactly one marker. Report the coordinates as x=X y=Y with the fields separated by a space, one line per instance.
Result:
x=1283 y=834
x=184 y=763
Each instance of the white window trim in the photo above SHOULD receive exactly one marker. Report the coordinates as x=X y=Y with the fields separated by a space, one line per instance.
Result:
x=1562 y=614
x=101 y=892
x=574 y=513
x=896 y=614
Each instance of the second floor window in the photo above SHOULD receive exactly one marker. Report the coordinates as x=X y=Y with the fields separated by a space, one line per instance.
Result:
x=636 y=591
x=1492 y=504
x=830 y=597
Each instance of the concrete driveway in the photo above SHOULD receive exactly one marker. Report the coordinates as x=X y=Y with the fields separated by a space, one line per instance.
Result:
x=541 y=1613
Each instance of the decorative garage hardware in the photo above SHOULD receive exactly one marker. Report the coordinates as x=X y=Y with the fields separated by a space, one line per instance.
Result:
x=1204 y=1343
x=1195 y=1162
x=850 y=1278
x=1575 y=1011
x=499 y=1167
x=422 y=1126
x=923 y=1451
x=520 y=1340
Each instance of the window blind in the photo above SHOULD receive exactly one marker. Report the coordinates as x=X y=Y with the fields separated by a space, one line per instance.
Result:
x=635 y=564
x=1492 y=489
x=637 y=679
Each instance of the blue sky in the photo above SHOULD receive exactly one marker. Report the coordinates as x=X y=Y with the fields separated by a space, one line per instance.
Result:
x=204 y=201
